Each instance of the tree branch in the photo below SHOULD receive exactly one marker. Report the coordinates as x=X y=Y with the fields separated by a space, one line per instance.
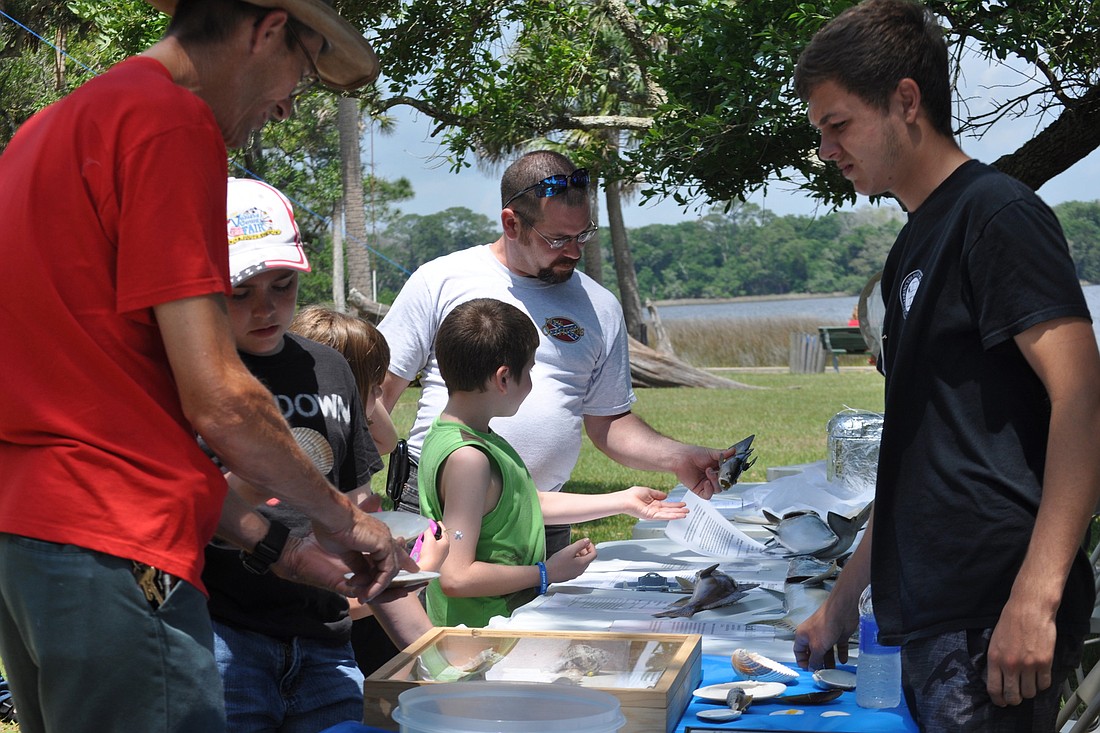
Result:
x=1068 y=139
x=628 y=24
x=601 y=122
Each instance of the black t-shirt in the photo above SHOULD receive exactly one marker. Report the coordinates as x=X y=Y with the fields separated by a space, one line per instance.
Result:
x=966 y=422
x=314 y=387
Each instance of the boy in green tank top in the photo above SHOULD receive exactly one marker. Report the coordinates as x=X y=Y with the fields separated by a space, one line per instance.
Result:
x=475 y=482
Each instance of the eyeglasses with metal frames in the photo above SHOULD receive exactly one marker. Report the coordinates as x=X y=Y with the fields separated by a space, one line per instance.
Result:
x=559 y=242
x=309 y=78
x=553 y=185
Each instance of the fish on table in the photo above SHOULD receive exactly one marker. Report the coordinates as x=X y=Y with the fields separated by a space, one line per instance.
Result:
x=805 y=588
x=806 y=533
x=711 y=589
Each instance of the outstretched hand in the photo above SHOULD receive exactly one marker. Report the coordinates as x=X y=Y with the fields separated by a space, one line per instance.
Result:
x=643 y=502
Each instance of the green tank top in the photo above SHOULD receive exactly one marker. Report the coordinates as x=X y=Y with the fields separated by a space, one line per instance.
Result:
x=512 y=533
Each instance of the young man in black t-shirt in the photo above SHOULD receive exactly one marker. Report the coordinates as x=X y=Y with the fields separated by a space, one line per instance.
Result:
x=988 y=473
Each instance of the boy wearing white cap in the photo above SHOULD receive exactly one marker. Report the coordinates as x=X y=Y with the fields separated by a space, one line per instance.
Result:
x=284 y=649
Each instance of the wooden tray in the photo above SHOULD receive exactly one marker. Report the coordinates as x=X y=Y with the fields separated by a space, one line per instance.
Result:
x=653 y=675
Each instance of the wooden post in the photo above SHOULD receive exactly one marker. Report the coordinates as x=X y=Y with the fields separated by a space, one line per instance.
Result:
x=806 y=356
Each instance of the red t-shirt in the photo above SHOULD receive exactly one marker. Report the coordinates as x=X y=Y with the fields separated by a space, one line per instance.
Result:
x=112 y=201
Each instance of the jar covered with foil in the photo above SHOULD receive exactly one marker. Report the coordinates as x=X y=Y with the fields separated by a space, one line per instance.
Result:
x=851 y=462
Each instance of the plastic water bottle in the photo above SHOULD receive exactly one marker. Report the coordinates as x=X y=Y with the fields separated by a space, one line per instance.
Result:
x=878 y=671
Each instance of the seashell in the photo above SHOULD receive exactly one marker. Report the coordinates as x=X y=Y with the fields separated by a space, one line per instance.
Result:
x=834 y=679
x=753 y=666
x=738 y=699
x=315 y=446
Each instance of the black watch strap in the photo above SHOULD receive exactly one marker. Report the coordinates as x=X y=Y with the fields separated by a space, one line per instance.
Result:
x=267 y=550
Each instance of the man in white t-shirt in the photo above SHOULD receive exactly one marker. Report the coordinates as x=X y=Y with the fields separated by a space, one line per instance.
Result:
x=582 y=368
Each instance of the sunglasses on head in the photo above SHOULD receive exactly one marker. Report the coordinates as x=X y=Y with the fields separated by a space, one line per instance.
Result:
x=553 y=185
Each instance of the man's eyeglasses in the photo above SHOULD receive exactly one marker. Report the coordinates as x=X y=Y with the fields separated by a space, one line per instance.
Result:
x=312 y=76
x=560 y=242
x=553 y=185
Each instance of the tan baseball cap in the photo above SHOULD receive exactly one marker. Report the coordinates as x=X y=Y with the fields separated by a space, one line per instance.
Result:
x=346 y=62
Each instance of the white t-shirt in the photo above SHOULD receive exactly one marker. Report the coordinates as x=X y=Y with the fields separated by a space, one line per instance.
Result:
x=582 y=365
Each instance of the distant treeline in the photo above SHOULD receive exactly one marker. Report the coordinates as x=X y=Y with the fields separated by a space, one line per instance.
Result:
x=746 y=251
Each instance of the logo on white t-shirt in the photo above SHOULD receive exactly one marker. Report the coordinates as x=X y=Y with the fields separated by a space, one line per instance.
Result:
x=563 y=329
x=908 y=291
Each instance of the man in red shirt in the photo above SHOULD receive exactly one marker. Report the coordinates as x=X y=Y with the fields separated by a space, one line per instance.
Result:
x=119 y=351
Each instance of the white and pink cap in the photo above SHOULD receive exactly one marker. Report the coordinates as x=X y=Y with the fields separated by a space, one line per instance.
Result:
x=262 y=232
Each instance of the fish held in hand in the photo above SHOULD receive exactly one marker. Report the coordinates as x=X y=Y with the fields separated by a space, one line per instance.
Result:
x=731 y=469
x=712 y=589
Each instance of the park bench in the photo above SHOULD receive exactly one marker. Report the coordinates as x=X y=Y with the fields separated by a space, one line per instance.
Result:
x=838 y=340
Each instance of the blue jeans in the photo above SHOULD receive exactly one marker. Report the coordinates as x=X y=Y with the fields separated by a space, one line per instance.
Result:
x=286 y=686
x=85 y=653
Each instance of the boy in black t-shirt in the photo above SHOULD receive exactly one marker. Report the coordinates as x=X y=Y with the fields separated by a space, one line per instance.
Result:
x=283 y=649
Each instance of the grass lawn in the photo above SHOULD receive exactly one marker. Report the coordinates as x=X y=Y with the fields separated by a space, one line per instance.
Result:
x=788 y=415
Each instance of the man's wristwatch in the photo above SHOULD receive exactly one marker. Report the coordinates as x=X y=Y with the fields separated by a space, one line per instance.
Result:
x=267 y=550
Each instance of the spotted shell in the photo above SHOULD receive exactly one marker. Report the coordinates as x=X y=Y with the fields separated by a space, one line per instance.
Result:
x=753 y=666
x=315 y=446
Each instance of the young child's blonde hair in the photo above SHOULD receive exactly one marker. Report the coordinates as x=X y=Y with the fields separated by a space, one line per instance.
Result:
x=359 y=341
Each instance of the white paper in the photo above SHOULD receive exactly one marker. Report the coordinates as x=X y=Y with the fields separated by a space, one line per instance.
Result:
x=811 y=490
x=703 y=628
x=625 y=602
x=705 y=531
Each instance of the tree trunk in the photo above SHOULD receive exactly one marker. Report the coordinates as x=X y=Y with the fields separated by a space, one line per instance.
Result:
x=593 y=251
x=355 y=218
x=367 y=308
x=651 y=368
x=60 y=41
x=624 y=264
x=339 y=299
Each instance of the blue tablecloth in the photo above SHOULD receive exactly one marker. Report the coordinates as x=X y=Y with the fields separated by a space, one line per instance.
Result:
x=717 y=669
x=352 y=726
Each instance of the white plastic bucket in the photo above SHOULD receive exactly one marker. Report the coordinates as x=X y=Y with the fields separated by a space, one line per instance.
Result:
x=507 y=707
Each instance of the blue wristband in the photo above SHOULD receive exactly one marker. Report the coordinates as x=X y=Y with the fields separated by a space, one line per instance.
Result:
x=544 y=581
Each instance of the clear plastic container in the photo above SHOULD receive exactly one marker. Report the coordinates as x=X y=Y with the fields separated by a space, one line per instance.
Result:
x=507 y=707
x=878 y=670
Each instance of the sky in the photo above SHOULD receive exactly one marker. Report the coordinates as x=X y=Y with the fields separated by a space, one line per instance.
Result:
x=409 y=152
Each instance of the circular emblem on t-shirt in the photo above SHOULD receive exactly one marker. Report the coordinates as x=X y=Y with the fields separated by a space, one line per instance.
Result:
x=562 y=329
x=908 y=291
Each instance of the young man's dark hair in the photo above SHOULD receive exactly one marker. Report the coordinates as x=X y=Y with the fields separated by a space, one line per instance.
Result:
x=872 y=46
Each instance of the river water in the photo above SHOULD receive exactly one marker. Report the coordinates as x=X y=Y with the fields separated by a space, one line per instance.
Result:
x=828 y=310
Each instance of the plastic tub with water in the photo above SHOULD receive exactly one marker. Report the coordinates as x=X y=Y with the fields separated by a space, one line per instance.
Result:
x=507 y=707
